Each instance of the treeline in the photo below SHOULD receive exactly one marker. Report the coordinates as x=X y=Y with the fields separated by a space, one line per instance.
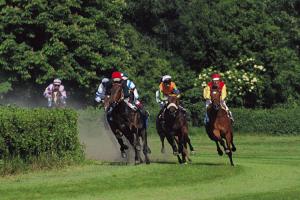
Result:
x=254 y=43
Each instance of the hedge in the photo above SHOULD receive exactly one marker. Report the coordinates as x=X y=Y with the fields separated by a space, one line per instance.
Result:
x=272 y=121
x=27 y=133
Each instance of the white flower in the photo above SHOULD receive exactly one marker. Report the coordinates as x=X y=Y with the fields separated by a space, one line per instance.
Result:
x=203 y=84
x=254 y=80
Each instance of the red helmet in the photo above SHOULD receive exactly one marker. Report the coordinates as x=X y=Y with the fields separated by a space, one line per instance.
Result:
x=116 y=76
x=216 y=77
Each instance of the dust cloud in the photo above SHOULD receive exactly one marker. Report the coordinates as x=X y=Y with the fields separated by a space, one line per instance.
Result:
x=99 y=141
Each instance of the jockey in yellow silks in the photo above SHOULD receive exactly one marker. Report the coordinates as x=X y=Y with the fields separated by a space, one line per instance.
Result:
x=216 y=80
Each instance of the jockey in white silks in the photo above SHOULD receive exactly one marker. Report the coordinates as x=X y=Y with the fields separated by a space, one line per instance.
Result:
x=55 y=86
x=101 y=92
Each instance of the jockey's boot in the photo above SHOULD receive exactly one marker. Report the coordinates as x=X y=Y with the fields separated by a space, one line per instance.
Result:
x=186 y=114
x=230 y=116
x=161 y=116
x=49 y=102
x=108 y=113
x=145 y=115
x=206 y=119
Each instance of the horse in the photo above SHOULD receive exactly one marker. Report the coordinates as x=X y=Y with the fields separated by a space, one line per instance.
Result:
x=56 y=99
x=175 y=129
x=125 y=121
x=219 y=127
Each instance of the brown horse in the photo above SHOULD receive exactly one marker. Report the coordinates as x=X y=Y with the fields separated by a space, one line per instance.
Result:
x=125 y=121
x=219 y=127
x=175 y=128
x=56 y=99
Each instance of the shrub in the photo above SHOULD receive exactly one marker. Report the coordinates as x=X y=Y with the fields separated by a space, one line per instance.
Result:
x=31 y=133
x=273 y=121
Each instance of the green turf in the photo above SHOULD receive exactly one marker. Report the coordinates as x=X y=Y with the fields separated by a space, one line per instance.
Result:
x=266 y=167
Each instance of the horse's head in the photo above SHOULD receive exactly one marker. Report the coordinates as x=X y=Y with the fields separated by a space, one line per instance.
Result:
x=56 y=98
x=116 y=94
x=215 y=97
x=173 y=104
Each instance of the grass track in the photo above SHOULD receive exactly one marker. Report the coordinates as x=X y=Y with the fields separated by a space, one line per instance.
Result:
x=267 y=167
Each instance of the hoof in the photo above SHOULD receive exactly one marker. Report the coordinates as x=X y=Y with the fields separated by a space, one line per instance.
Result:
x=220 y=153
x=233 y=149
x=138 y=147
x=147 y=162
x=148 y=150
x=124 y=155
x=137 y=162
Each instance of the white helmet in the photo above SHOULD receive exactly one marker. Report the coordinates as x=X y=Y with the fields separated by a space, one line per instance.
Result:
x=166 y=78
x=57 y=81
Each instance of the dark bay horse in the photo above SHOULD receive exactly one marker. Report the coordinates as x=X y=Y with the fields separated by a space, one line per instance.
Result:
x=125 y=121
x=219 y=127
x=175 y=129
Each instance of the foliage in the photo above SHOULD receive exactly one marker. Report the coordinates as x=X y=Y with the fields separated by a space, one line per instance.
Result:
x=244 y=81
x=279 y=121
x=82 y=41
x=73 y=40
x=219 y=33
x=28 y=134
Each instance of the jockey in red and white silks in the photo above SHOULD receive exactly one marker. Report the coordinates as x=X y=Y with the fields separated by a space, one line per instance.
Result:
x=55 y=86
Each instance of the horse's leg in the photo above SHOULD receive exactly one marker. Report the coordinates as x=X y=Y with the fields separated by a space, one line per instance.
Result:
x=184 y=141
x=146 y=140
x=162 y=139
x=171 y=140
x=190 y=145
x=117 y=133
x=233 y=146
x=145 y=146
x=217 y=138
x=220 y=152
x=228 y=149
x=137 y=147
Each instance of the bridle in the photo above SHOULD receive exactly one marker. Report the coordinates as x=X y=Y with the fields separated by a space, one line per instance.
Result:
x=117 y=101
x=215 y=98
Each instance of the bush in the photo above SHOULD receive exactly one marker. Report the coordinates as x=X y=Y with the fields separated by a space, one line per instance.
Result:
x=29 y=134
x=273 y=121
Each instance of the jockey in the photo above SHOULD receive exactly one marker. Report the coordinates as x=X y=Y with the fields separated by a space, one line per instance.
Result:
x=100 y=94
x=216 y=80
x=166 y=88
x=55 y=86
x=131 y=97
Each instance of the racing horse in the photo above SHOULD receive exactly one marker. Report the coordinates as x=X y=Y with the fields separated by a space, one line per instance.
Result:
x=57 y=99
x=219 y=127
x=174 y=128
x=125 y=121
